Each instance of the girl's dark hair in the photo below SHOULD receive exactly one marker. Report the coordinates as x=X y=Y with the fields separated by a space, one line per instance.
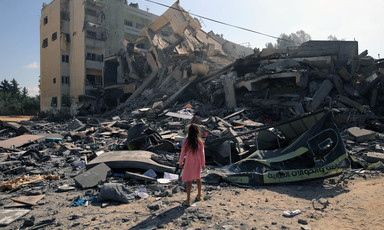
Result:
x=194 y=135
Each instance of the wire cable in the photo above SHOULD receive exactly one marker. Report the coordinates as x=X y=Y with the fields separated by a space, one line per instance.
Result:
x=224 y=23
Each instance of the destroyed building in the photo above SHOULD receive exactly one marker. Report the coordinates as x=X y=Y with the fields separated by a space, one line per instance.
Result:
x=88 y=43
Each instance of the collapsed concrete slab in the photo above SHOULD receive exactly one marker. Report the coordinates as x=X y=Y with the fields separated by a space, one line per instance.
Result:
x=7 y=216
x=137 y=159
x=20 y=141
x=93 y=176
x=360 y=134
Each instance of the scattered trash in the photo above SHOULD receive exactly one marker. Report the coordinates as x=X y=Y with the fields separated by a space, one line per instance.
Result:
x=82 y=201
x=150 y=173
x=291 y=213
x=171 y=176
x=320 y=203
x=142 y=193
x=24 y=179
x=115 y=192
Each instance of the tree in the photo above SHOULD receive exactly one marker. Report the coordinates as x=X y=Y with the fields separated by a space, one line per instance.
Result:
x=334 y=38
x=294 y=39
x=14 y=89
x=24 y=92
x=5 y=86
x=16 y=101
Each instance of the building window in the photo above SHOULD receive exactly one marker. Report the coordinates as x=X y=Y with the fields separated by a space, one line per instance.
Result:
x=94 y=57
x=54 y=36
x=128 y=23
x=54 y=101
x=45 y=43
x=54 y=80
x=94 y=80
x=65 y=80
x=67 y=37
x=65 y=100
x=139 y=26
x=91 y=12
x=45 y=20
x=140 y=45
x=64 y=15
x=91 y=34
x=65 y=58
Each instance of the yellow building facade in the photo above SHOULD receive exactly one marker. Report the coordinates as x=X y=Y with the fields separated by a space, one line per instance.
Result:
x=75 y=38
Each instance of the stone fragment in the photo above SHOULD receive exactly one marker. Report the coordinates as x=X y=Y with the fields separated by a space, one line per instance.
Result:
x=93 y=176
x=320 y=95
x=361 y=135
x=373 y=157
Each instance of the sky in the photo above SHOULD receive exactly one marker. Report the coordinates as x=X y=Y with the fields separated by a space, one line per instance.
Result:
x=349 y=20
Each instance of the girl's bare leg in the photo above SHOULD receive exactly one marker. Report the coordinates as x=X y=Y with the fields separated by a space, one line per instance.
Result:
x=189 y=187
x=199 y=188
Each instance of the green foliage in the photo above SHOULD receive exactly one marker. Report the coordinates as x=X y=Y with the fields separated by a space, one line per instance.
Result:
x=14 y=101
x=285 y=41
x=334 y=38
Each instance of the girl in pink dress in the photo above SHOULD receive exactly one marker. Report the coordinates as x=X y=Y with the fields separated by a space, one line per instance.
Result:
x=193 y=149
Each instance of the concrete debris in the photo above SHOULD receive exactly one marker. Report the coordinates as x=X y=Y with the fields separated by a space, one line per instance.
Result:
x=137 y=159
x=7 y=216
x=115 y=192
x=93 y=176
x=361 y=135
x=19 y=141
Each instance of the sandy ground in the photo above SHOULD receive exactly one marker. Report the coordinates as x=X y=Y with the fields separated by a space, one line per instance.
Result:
x=15 y=118
x=351 y=201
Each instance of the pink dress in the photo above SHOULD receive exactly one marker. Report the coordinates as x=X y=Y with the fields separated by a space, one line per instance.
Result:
x=193 y=162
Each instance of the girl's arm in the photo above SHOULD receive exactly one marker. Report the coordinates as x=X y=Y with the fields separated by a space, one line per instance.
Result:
x=202 y=155
x=182 y=154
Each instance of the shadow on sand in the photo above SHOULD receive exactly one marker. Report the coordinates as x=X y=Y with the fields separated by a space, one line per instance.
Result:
x=161 y=219
x=309 y=190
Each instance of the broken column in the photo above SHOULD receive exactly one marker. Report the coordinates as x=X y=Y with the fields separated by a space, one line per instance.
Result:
x=320 y=94
x=229 y=91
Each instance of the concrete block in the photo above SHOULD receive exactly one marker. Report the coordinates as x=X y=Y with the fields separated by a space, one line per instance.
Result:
x=229 y=90
x=361 y=134
x=351 y=103
x=302 y=79
x=320 y=94
x=344 y=74
x=374 y=95
x=93 y=176
x=373 y=157
x=7 y=216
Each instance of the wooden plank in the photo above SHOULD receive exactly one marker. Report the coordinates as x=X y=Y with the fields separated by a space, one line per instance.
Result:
x=29 y=200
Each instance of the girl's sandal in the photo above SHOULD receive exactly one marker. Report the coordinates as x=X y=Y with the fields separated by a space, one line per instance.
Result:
x=185 y=204
x=199 y=198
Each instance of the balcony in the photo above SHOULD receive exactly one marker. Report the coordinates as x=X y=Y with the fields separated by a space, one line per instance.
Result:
x=93 y=19
x=132 y=30
x=95 y=31
x=94 y=43
x=89 y=64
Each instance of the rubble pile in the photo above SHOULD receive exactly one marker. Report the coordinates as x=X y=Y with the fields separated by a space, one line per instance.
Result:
x=185 y=65
x=95 y=159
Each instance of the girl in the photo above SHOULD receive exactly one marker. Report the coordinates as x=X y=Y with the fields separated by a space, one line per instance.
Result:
x=193 y=149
